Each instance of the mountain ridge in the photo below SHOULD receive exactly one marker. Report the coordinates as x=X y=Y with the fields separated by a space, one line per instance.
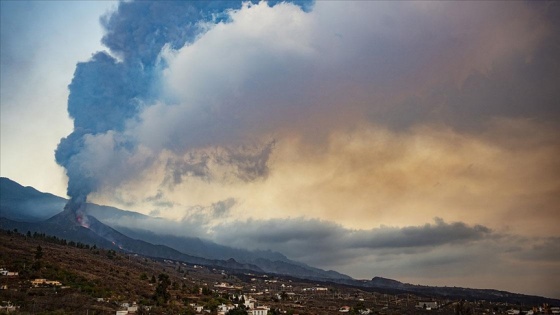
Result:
x=15 y=205
x=63 y=224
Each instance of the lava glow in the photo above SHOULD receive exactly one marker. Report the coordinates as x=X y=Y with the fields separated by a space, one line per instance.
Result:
x=82 y=219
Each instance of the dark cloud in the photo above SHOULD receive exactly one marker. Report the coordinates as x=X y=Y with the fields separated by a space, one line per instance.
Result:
x=245 y=162
x=436 y=234
x=193 y=165
x=222 y=207
x=251 y=163
x=299 y=238
x=208 y=215
x=514 y=88
x=538 y=250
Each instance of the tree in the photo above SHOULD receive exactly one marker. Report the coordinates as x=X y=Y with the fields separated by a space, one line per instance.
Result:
x=161 y=296
x=237 y=311
x=206 y=291
x=189 y=311
x=39 y=252
x=212 y=305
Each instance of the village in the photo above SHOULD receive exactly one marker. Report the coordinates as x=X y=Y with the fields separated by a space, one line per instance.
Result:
x=38 y=277
x=267 y=294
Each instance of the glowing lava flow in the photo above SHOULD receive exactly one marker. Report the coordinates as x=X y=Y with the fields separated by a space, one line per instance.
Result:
x=82 y=219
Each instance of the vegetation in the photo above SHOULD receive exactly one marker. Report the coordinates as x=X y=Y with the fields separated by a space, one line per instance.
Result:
x=161 y=296
x=93 y=279
x=98 y=281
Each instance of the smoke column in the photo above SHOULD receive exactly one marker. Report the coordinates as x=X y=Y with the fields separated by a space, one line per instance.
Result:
x=112 y=88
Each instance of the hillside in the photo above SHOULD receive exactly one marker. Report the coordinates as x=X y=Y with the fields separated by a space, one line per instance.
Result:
x=88 y=273
x=97 y=281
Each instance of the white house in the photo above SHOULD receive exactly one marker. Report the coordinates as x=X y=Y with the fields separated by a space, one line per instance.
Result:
x=133 y=308
x=259 y=310
x=344 y=309
x=197 y=308
x=249 y=302
x=225 y=308
x=5 y=272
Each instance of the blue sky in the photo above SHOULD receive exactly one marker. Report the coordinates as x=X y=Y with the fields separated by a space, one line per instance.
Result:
x=41 y=44
x=411 y=140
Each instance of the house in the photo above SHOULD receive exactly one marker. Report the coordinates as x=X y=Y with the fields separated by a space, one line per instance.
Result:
x=6 y=272
x=344 y=309
x=45 y=282
x=427 y=305
x=225 y=308
x=249 y=302
x=259 y=310
x=133 y=308
x=197 y=308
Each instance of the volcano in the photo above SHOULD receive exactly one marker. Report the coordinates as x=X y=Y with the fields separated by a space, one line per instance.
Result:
x=66 y=225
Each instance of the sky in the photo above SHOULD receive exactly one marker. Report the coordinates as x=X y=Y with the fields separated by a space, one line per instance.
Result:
x=417 y=141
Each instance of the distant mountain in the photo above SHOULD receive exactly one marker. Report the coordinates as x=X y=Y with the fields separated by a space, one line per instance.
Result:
x=18 y=203
x=386 y=283
x=26 y=209
x=457 y=292
x=26 y=203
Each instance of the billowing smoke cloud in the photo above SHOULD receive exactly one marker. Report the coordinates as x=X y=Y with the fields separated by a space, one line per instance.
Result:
x=200 y=75
x=112 y=88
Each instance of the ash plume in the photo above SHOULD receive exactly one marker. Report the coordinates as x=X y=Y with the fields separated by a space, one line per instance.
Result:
x=109 y=91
